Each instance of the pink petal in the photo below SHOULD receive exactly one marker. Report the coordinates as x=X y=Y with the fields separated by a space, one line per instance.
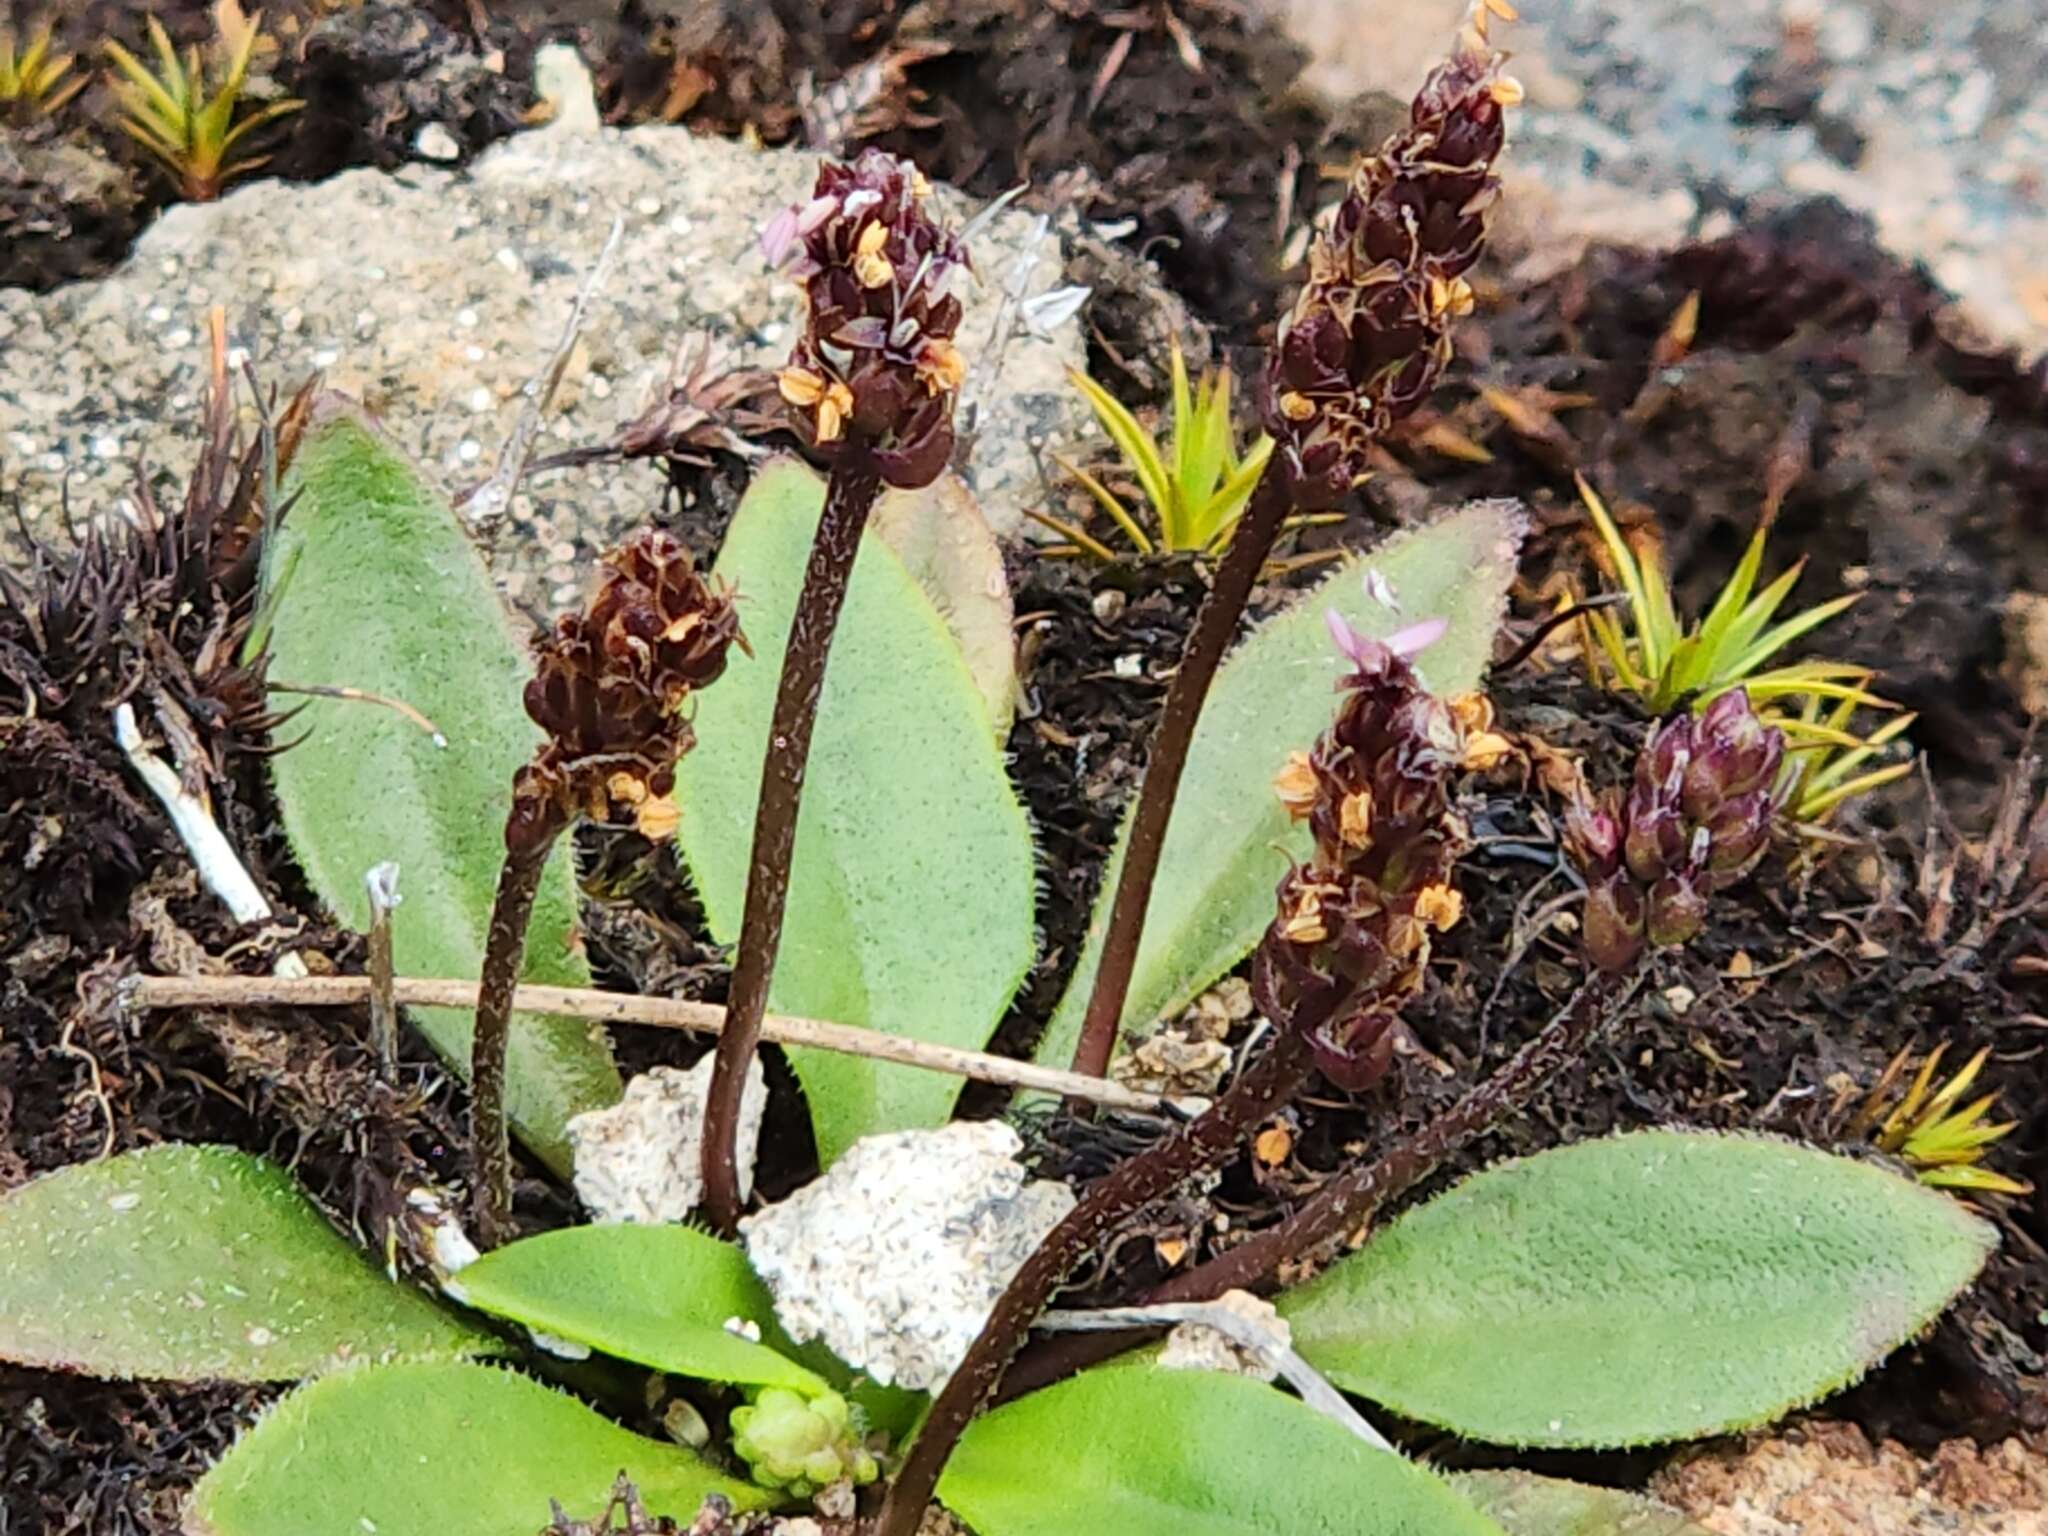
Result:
x=1415 y=637
x=778 y=237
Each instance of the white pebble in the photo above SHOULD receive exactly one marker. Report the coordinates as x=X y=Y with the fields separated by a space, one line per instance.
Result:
x=435 y=142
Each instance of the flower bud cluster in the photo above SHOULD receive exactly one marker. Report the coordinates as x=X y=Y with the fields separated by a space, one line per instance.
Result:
x=876 y=359
x=1351 y=940
x=608 y=689
x=1370 y=331
x=1696 y=820
x=799 y=1445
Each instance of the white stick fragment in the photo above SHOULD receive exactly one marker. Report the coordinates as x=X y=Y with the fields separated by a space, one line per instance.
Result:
x=212 y=854
x=1241 y=1330
x=491 y=500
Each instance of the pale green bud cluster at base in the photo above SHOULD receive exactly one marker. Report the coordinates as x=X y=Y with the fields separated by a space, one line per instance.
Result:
x=799 y=1446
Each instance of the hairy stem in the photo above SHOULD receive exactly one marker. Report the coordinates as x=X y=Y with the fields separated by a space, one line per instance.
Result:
x=1215 y=628
x=849 y=498
x=1350 y=1200
x=490 y=1147
x=1112 y=1201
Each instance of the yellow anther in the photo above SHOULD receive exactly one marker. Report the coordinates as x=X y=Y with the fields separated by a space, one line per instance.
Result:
x=1440 y=906
x=940 y=365
x=799 y=386
x=872 y=269
x=1295 y=784
x=1354 y=819
x=1485 y=750
x=657 y=817
x=1296 y=406
x=833 y=410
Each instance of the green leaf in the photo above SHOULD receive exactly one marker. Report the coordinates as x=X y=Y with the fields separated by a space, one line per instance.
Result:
x=390 y=597
x=657 y=1295
x=1527 y=1505
x=197 y=1264
x=950 y=551
x=1229 y=840
x=1140 y=1451
x=438 y=1449
x=1657 y=1286
x=910 y=902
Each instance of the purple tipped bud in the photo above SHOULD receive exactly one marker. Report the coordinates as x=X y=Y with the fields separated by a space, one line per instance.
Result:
x=1738 y=836
x=1594 y=840
x=1696 y=819
x=1370 y=655
x=1676 y=911
x=1612 y=927
x=1355 y=1055
x=1655 y=842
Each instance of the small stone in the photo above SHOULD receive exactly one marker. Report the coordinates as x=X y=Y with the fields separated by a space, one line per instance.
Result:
x=642 y=1159
x=1108 y=604
x=1171 y=1062
x=895 y=1255
x=1200 y=1347
x=435 y=142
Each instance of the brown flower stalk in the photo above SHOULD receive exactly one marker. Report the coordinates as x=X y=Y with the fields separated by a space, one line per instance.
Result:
x=1348 y=1202
x=871 y=382
x=1346 y=948
x=609 y=687
x=1367 y=339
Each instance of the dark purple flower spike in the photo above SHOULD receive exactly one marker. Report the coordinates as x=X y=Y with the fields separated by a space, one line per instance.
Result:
x=876 y=359
x=871 y=383
x=1696 y=820
x=1352 y=935
x=609 y=688
x=1370 y=331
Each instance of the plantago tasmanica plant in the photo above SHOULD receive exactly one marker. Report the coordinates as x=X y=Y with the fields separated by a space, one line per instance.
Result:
x=33 y=79
x=186 y=122
x=1944 y=1145
x=1197 y=490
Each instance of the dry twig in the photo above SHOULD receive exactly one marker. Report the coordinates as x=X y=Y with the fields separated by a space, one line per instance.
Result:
x=661 y=1012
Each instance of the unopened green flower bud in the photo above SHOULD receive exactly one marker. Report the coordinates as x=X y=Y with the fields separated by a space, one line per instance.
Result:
x=800 y=1445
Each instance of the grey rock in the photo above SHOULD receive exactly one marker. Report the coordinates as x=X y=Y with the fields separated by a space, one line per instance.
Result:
x=895 y=1255
x=1641 y=114
x=436 y=294
x=642 y=1159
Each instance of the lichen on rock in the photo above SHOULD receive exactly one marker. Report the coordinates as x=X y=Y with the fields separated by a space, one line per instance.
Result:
x=642 y=1159
x=896 y=1254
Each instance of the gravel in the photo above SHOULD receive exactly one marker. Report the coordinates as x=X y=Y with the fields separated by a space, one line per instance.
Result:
x=436 y=294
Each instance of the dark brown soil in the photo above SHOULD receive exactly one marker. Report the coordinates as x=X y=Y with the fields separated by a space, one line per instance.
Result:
x=1906 y=468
